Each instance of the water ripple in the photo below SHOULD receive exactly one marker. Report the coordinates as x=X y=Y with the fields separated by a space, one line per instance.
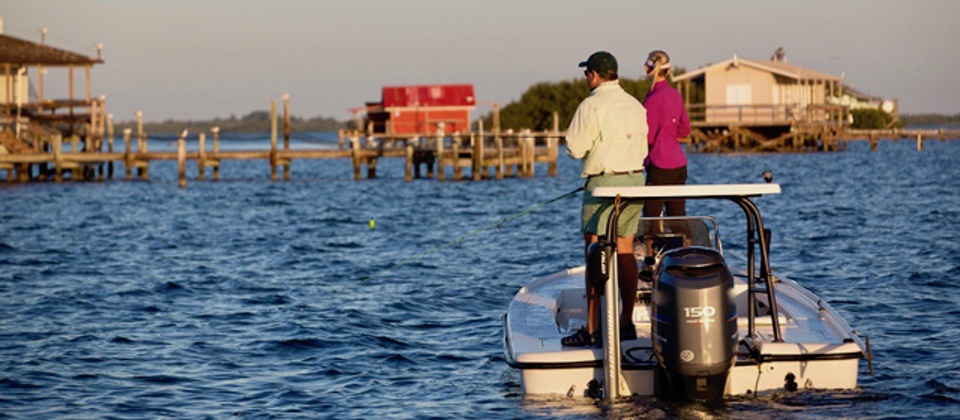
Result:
x=251 y=298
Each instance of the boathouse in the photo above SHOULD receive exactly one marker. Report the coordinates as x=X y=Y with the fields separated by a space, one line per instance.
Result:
x=25 y=63
x=421 y=109
x=30 y=119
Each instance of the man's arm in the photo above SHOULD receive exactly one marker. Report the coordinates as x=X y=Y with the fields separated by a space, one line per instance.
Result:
x=582 y=132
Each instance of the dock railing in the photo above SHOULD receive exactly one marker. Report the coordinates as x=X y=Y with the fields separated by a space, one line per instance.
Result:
x=488 y=155
x=767 y=114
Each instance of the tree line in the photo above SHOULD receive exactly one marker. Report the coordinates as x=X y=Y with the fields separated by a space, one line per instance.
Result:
x=254 y=122
x=534 y=110
x=930 y=119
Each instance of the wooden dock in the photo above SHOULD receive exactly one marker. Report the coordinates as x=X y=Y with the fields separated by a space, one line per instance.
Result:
x=821 y=138
x=487 y=155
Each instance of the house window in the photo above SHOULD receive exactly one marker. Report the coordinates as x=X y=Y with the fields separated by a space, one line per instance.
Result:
x=738 y=95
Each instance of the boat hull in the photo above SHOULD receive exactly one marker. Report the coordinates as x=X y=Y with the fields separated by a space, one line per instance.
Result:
x=819 y=350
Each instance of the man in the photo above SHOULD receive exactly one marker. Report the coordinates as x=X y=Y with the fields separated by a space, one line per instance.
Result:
x=609 y=132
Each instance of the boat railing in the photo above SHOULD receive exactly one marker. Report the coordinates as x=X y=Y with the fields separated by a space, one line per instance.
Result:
x=758 y=237
x=655 y=233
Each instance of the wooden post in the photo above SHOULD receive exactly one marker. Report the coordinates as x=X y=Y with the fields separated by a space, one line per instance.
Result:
x=273 y=140
x=110 y=135
x=286 y=135
x=552 y=155
x=919 y=142
x=372 y=167
x=439 y=140
x=457 y=170
x=127 y=153
x=87 y=68
x=478 y=158
x=57 y=158
x=216 y=151
x=552 y=143
x=202 y=157
x=182 y=161
x=499 y=146
x=355 y=155
x=70 y=72
x=408 y=168
x=478 y=147
x=76 y=173
x=143 y=172
x=532 y=150
x=873 y=142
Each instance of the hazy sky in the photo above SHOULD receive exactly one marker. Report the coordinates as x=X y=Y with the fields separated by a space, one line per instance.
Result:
x=201 y=59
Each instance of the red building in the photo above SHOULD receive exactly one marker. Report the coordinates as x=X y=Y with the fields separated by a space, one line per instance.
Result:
x=421 y=109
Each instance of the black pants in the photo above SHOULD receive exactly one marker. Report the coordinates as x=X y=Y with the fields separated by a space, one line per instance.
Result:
x=658 y=176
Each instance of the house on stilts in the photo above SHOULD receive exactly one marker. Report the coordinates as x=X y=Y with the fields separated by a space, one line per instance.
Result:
x=751 y=105
x=32 y=120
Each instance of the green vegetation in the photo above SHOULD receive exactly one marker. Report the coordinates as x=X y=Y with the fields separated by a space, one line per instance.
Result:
x=535 y=108
x=930 y=119
x=254 y=122
x=870 y=119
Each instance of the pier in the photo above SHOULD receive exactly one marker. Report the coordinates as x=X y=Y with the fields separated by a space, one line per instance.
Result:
x=824 y=138
x=488 y=155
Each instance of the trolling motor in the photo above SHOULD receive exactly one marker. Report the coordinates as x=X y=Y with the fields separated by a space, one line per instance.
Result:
x=695 y=324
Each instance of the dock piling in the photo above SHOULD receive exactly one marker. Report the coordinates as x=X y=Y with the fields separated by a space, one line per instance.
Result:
x=110 y=134
x=478 y=158
x=143 y=170
x=57 y=158
x=273 y=140
x=216 y=152
x=182 y=160
x=202 y=157
x=408 y=167
x=439 y=139
x=127 y=154
x=286 y=135
x=355 y=156
x=457 y=169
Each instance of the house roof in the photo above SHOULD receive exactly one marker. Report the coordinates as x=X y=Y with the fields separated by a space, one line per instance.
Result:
x=428 y=96
x=775 y=67
x=21 y=52
x=849 y=90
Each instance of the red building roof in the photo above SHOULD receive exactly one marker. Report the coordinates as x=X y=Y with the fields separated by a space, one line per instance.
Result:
x=428 y=96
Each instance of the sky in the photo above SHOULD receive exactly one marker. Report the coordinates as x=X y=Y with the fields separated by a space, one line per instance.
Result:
x=197 y=60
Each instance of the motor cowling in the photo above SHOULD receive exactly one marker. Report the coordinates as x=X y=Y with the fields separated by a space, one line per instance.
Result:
x=695 y=324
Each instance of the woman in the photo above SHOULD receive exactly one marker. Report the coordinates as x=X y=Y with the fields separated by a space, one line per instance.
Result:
x=667 y=121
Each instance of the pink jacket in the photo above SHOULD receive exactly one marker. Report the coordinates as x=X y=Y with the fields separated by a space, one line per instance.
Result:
x=666 y=121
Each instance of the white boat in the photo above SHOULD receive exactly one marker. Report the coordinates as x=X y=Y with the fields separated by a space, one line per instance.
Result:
x=717 y=333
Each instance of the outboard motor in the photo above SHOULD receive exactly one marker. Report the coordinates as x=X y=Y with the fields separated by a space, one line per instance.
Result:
x=695 y=324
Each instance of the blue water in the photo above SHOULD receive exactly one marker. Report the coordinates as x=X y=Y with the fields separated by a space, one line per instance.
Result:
x=252 y=298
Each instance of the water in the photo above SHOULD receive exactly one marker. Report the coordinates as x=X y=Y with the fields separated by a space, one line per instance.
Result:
x=251 y=298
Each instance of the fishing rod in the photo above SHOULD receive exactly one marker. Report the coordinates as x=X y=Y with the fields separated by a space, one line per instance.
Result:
x=460 y=239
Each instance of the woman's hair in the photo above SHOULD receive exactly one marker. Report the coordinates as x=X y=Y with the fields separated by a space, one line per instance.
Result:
x=658 y=64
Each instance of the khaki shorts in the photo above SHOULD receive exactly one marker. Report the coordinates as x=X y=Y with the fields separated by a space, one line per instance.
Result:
x=596 y=210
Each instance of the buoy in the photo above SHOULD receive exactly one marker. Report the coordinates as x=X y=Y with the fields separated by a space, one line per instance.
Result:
x=373 y=224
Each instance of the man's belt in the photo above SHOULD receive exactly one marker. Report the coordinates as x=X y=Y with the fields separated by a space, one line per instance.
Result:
x=618 y=173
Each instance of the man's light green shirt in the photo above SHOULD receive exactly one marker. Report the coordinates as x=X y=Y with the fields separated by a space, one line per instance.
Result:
x=608 y=131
